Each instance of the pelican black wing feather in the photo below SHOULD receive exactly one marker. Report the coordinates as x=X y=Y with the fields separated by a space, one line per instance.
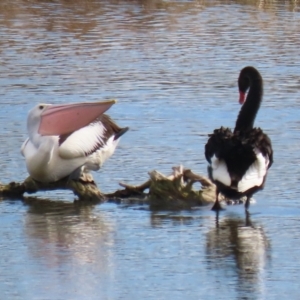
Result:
x=111 y=129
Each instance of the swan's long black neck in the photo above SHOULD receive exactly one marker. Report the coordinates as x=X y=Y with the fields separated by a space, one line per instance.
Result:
x=247 y=114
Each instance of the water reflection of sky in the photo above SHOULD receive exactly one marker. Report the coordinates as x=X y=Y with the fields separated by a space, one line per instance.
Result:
x=173 y=67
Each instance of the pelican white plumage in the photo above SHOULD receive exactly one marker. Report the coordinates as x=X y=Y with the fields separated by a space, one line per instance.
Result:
x=69 y=140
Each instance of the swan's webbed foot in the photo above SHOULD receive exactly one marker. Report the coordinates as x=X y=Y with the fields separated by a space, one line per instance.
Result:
x=217 y=206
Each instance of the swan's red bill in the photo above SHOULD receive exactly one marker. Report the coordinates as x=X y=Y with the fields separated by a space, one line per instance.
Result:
x=242 y=97
x=64 y=119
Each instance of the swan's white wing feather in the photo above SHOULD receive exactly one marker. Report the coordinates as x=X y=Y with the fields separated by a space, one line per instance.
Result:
x=255 y=174
x=83 y=142
x=220 y=171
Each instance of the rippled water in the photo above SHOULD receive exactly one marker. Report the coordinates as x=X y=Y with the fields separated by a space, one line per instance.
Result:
x=173 y=67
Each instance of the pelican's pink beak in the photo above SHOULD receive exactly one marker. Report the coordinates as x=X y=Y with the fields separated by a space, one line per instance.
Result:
x=64 y=119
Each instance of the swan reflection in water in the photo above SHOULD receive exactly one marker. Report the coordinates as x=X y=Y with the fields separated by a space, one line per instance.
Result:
x=240 y=249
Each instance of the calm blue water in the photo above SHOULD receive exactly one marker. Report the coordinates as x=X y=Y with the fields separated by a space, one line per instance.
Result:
x=173 y=68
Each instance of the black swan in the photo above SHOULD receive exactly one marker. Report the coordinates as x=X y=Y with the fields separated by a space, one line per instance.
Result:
x=239 y=160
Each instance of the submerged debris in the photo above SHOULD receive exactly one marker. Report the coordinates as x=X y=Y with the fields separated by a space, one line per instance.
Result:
x=84 y=191
x=175 y=191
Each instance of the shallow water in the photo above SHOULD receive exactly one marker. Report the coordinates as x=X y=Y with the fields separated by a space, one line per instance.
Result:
x=173 y=67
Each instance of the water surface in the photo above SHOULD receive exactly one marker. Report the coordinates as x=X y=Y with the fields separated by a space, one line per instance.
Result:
x=173 y=67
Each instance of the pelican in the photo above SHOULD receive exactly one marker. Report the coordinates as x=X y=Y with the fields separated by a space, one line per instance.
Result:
x=69 y=140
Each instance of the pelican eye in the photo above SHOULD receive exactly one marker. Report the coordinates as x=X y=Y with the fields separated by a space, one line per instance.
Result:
x=41 y=107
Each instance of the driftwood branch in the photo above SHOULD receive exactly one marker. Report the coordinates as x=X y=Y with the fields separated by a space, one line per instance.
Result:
x=163 y=192
x=175 y=191
x=137 y=191
x=84 y=191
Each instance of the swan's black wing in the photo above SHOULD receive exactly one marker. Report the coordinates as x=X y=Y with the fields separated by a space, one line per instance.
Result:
x=259 y=141
x=218 y=142
x=238 y=150
x=262 y=142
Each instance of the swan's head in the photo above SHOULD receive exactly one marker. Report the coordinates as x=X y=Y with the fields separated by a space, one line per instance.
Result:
x=248 y=76
x=244 y=84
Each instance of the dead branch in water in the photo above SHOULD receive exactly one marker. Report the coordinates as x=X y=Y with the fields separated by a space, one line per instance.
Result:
x=164 y=192
x=84 y=191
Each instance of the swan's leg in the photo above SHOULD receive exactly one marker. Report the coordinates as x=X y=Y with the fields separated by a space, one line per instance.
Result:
x=217 y=206
x=247 y=203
